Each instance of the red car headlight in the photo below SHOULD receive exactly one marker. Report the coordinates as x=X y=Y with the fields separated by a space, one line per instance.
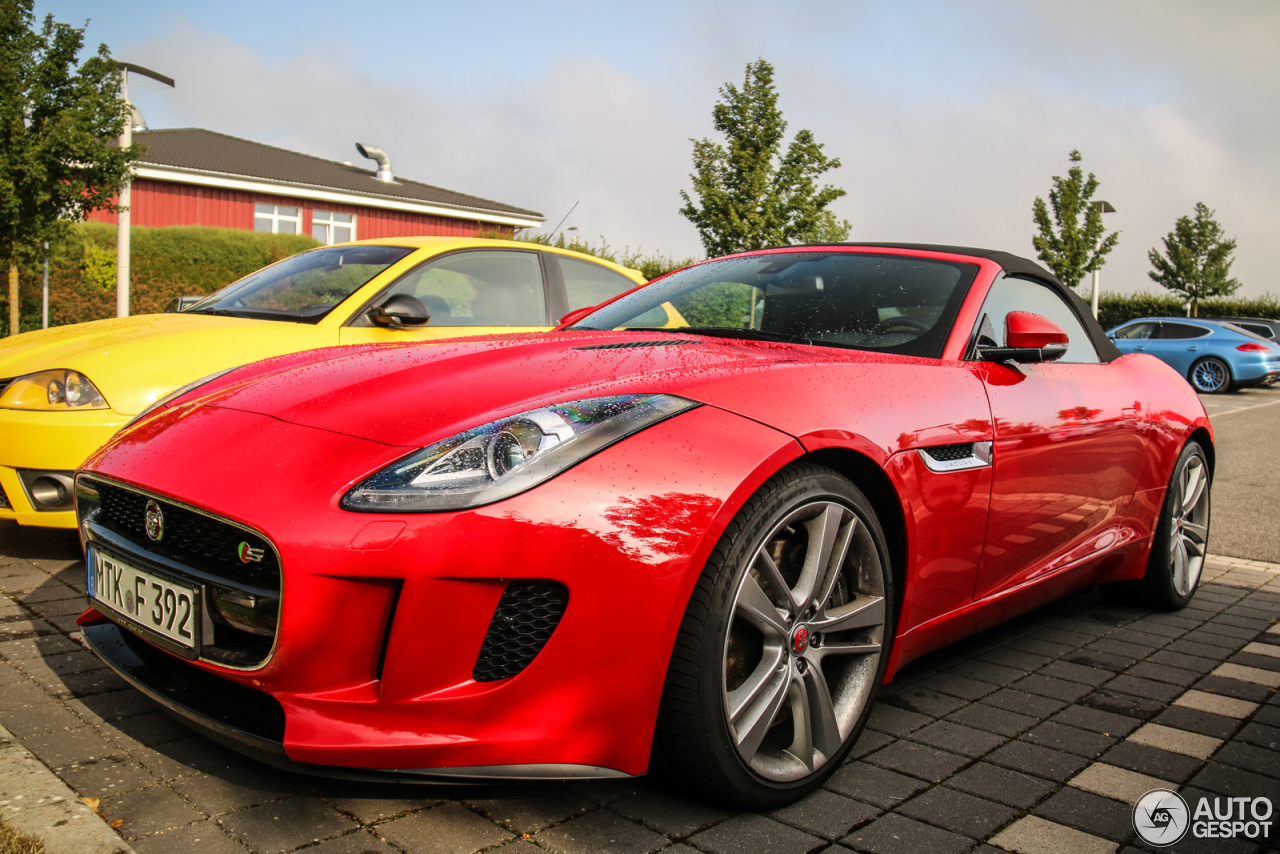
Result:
x=508 y=456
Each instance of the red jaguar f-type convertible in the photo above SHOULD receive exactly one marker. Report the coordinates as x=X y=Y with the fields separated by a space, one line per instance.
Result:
x=696 y=526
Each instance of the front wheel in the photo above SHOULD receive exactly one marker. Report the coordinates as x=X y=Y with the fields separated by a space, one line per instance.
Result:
x=1210 y=375
x=782 y=646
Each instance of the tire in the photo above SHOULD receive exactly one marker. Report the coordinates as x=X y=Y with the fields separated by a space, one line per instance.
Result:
x=782 y=647
x=1210 y=375
x=1180 y=543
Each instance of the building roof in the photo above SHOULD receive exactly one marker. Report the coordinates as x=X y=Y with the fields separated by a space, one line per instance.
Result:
x=193 y=153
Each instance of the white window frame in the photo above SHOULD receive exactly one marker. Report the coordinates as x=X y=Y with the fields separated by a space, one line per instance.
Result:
x=326 y=218
x=275 y=217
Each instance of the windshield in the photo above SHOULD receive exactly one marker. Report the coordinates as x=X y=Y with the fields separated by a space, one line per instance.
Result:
x=891 y=303
x=303 y=288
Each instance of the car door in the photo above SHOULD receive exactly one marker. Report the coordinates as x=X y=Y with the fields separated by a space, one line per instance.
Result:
x=469 y=292
x=1176 y=344
x=1066 y=433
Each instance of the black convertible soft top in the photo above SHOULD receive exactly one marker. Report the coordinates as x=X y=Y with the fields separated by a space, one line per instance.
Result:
x=1014 y=265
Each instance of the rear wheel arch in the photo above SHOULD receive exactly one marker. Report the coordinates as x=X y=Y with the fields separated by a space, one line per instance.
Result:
x=1201 y=436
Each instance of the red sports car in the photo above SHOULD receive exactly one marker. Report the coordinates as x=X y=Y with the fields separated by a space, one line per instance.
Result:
x=693 y=529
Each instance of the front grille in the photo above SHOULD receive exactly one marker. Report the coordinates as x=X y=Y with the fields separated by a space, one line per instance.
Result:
x=944 y=453
x=527 y=614
x=4 y=500
x=241 y=596
x=190 y=538
x=629 y=345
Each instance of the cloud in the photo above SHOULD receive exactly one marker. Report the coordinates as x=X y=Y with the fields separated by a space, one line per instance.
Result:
x=949 y=123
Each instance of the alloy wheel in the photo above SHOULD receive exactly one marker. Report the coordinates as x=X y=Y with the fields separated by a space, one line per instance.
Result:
x=1210 y=375
x=1189 y=537
x=805 y=640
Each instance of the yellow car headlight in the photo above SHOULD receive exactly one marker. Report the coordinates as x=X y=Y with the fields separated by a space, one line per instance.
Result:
x=57 y=390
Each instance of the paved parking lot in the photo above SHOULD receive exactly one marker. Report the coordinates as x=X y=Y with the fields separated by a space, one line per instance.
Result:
x=1037 y=736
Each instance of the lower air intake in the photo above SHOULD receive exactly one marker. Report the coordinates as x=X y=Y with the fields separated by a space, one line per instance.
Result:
x=527 y=614
x=4 y=500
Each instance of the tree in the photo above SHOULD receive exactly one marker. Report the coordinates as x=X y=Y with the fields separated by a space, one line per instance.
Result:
x=750 y=196
x=1196 y=263
x=1073 y=243
x=59 y=124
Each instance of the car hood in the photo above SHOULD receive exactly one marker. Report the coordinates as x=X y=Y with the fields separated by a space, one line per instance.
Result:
x=134 y=361
x=412 y=395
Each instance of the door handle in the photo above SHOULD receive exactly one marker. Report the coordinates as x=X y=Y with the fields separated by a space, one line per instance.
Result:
x=1193 y=349
x=1139 y=349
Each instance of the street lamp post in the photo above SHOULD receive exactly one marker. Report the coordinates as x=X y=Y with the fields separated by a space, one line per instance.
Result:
x=1106 y=208
x=126 y=191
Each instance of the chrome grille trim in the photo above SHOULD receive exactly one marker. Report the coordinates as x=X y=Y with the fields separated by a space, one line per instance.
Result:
x=141 y=550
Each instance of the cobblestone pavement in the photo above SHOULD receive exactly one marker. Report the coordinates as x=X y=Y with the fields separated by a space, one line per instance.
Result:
x=1037 y=736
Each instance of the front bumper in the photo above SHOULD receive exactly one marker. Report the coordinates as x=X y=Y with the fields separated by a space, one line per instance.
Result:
x=50 y=441
x=383 y=617
x=252 y=722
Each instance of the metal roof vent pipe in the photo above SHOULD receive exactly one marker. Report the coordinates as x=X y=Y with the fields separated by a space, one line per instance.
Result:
x=377 y=154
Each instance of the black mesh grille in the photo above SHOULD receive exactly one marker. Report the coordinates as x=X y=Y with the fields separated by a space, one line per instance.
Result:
x=4 y=500
x=527 y=614
x=191 y=538
x=629 y=345
x=241 y=598
x=947 y=453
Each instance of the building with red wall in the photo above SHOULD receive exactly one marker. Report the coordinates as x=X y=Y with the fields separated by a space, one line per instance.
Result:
x=199 y=177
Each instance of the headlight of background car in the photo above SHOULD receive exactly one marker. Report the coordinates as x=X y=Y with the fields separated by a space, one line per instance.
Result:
x=56 y=390
x=508 y=456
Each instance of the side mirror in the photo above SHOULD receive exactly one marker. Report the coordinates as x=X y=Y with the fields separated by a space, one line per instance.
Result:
x=1028 y=338
x=399 y=311
x=574 y=316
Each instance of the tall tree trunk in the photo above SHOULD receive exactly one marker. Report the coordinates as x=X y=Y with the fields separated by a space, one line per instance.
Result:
x=13 y=297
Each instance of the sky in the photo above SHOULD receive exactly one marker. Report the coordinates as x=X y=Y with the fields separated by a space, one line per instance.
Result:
x=949 y=116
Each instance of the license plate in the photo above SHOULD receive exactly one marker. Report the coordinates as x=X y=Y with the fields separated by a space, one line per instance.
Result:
x=144 y=599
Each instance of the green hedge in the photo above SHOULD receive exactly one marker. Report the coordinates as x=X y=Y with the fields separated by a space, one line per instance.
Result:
x=1114 y=309
x=164 y=263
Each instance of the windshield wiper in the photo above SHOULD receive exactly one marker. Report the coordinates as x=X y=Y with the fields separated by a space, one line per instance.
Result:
x=219 y=312
x=261 y=314
x=749 y=334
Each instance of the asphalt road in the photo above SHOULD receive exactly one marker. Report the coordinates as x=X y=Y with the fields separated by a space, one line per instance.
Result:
x=1246 y=488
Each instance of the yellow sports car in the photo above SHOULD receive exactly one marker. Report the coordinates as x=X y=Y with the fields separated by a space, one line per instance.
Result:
x=65 y=391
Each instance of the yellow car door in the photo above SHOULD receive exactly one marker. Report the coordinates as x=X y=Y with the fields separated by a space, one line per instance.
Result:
x=480 y=291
